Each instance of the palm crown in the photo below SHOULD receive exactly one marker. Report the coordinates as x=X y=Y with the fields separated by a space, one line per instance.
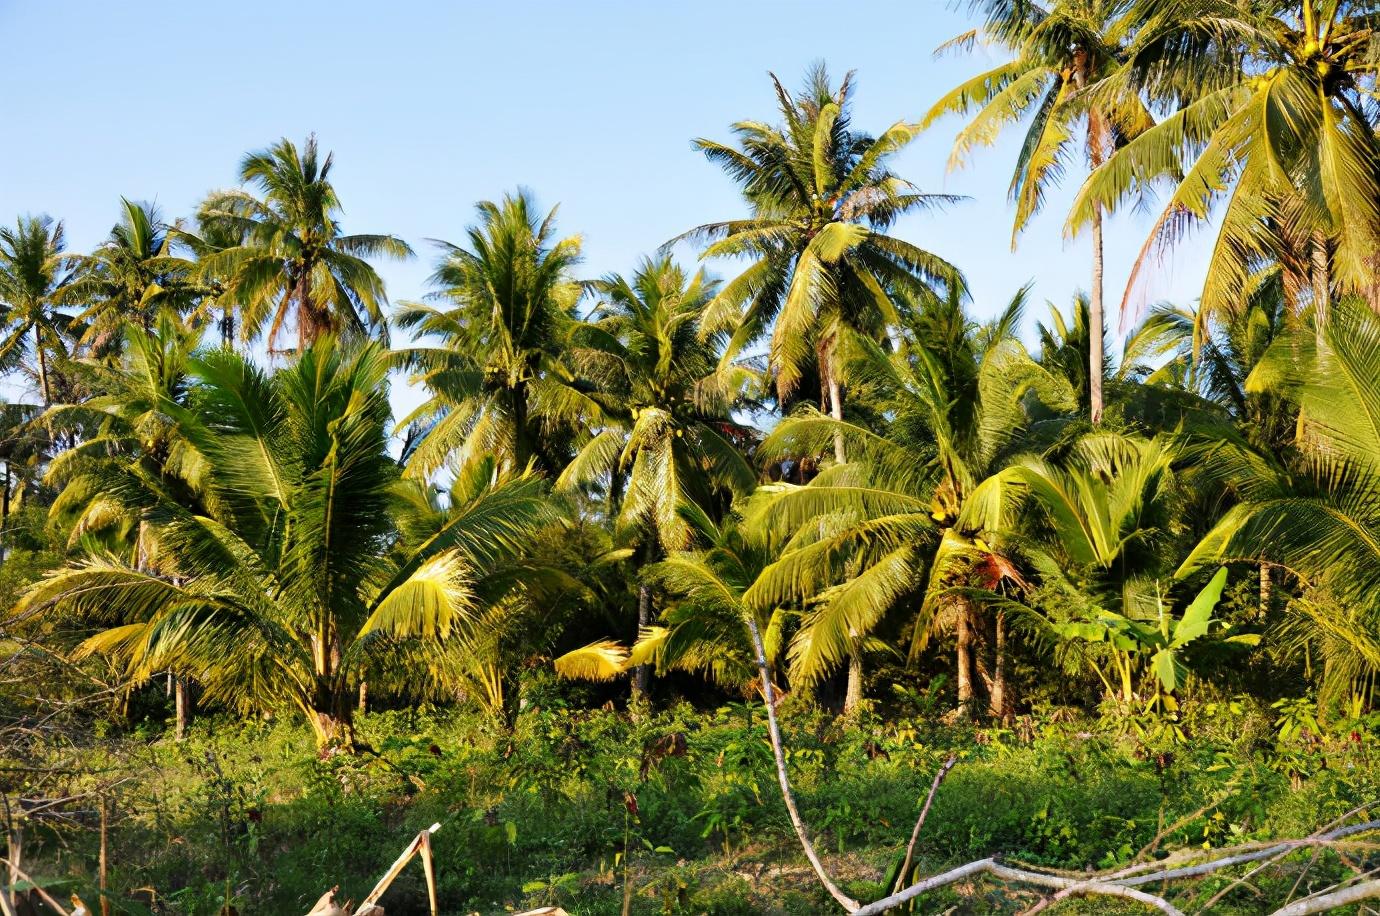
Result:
x=822 y=197
x=491 y=350
x=293 y=264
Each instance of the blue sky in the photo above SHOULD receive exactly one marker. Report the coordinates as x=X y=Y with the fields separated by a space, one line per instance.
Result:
x=432 y=106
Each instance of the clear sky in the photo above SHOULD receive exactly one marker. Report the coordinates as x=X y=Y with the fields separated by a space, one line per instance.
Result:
x=432 y=106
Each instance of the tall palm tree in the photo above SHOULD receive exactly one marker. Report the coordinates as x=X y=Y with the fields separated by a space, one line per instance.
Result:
x=958 y=400
x=205 y=238
x=822 y=199
x=1059 y=49
x=670 y=438
x=1275 y=140
x=505 y=305
x=295 y=578
x=34 y=269
x=294 y=265
x=131 y=276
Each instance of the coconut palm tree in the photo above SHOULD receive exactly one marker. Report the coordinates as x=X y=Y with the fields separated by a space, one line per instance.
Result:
x=24 y=449
x=957 y=398
x=1101 y=515
x=1274 y=140
x=822 y=198
x=34 y=269
x=129 y=427
x=131 y=276
x=670 y=437
x=295 y=577
x=504 y=307
x=1058 y=49
x=1314 y=512
x=294 y=265
x=134 y=421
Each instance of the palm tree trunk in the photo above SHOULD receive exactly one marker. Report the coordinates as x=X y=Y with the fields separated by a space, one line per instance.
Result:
x=183 y=704
x=835 y=402
x=1322 y=281
x=522 y=446
x=1098 y=134
x=363 y=696
x=642 y=674
x=963 y=642
x=307 y=328
x=999 y=704
x=227 y=326
x=1267 y=590
x=5 y=514
x=783 y=778
x=42 y=368
x=854 y=693
x=1095 y=321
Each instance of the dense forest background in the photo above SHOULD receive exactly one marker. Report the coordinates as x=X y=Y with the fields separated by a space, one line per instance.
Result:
x=259 y=628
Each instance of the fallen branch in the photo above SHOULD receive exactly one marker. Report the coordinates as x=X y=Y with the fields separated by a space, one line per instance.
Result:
x=991 y=866
x=779 y=752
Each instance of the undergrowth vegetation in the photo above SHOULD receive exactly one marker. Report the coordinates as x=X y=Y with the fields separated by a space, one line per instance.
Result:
x=682 y=805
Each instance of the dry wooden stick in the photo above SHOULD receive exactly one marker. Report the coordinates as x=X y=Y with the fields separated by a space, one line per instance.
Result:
x=1234 y=858
x=422 y=839
x=429 y=868
x=44 y=895
x=103 y=866
x=920 y=822
x=1207 y=907
x=1363 y=891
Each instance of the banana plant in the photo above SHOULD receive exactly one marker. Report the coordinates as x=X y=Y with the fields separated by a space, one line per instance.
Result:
x=1162 y=641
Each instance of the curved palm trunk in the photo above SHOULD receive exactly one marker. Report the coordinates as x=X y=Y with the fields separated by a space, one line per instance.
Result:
x=783 y=778
x=853 y=693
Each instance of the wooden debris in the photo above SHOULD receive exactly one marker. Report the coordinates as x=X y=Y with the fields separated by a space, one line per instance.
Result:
x=421 y=844
x=327 y=906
